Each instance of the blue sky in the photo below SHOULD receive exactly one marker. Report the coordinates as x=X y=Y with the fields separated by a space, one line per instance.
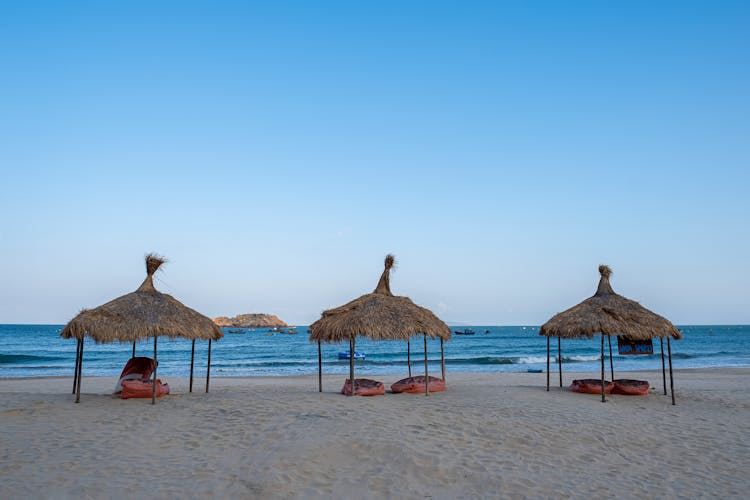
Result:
x=275 y=152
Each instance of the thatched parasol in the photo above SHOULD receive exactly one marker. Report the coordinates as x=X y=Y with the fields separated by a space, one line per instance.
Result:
x=379 y=315
x=610 y=314
x=140 y=315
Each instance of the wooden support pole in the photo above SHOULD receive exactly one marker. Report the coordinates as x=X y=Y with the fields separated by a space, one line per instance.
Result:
x=156 y=367
x=208 y=368
x=320 y=368
x=548 y=363
x=663 y=366
x=603 y=398
x=80 y=371
x=442 y=358
x=671 y=378
x=192 y=364
x=611 y=366
x=426 y=373
x=75 y=372
x=351 y=365
x=559 y=359
x=408 y=354
x=133 y=350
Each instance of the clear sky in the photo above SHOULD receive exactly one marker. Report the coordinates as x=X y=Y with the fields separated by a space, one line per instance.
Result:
x=275 y=152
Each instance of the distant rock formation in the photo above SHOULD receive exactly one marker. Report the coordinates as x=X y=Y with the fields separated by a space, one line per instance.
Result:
x=251 y=321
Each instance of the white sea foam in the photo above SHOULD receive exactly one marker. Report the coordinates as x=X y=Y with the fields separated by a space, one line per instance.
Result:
x=532 y=359
x=582 y=358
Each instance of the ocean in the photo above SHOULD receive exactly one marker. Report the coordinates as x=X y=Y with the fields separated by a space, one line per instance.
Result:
x=38 y=351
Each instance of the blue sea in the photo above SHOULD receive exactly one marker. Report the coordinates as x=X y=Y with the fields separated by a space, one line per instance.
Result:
x=38 y=351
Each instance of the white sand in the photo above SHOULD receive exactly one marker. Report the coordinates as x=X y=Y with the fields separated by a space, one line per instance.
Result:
x=489 y=435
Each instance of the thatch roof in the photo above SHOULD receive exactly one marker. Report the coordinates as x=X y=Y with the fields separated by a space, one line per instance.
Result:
x=379 y=315
x=611 y=314
x=142 y=314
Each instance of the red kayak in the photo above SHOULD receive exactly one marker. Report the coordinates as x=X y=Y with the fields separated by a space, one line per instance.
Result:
x=415 y=385
x=142 y=389
x=591 y=386
x=137 y=368
x=134 y=380
x=364 y=387
x=630 y=387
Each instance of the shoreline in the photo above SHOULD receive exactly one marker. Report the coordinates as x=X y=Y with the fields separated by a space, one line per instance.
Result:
x=575 y=373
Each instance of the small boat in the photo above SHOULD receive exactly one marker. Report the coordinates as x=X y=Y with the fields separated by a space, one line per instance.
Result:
x=235 y=330
x=134 y=380
x=591 y=386
x=345 y=355
x=629 y=387
x=465 y=331
x=534 y=370
x=143 y=389
x=364 y=387
x=416 y=385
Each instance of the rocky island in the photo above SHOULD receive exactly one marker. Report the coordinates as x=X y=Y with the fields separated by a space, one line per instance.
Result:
x=251 y=320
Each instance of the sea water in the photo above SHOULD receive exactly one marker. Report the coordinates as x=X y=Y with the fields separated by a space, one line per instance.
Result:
x=38 y=351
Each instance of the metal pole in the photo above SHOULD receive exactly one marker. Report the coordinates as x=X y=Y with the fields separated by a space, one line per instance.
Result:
x=663 y=366
x=80 y=373
x=133 y=350
x=603 y=398
x=75 y=372
x=611 y=366
x=442 y=358
x=156 y=366
x=351 y=365
x=671 y=379
x=547 y=363
x=320 y=368
x=208 y=369
x=426 y=373
x=192 y=365
x=559 y=359
x=408 y=354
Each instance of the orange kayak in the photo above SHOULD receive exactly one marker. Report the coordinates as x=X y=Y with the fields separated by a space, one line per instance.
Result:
x=591 y=386
x=364 y=387
x=630 y=387
x=142 y=389
x=415 y=385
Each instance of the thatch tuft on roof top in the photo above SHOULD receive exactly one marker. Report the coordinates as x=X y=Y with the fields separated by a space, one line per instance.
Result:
x=142 y=314
x=608 y=313
x=379 y=315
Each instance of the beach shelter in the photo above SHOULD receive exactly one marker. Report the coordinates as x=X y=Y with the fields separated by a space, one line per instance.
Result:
x=610 y=314
x=379 y=315
x=141 y=315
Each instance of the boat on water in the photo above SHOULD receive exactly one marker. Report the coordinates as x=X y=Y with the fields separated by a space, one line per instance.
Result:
x=357 y=355
x=465 y=331
x=290 y=331
x=235 y=330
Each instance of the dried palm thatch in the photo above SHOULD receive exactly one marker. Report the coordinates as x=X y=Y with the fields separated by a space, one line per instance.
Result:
x=379 y=315
x=609 y=314
x=142 y=314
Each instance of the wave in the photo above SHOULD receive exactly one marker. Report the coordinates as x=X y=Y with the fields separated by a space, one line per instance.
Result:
x=682 y=355
x=581 y=358
x=13 y=359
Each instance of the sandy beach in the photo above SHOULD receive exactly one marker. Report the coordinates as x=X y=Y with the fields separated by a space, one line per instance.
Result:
x=489 y=435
